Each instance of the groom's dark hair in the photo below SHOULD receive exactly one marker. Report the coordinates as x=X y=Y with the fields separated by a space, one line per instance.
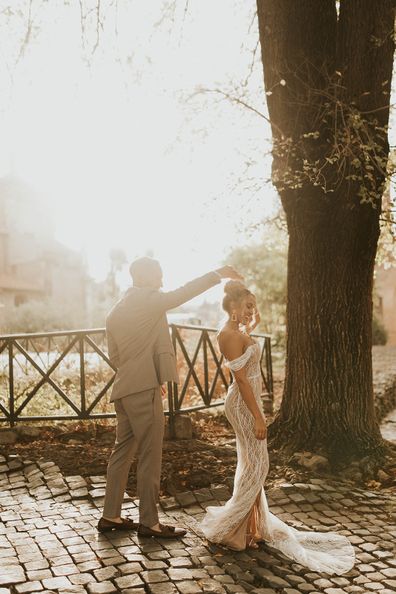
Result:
x=142 y=267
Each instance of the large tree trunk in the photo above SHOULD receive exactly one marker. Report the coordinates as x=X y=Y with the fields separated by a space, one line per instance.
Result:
x=328 y=78
x=328 y=396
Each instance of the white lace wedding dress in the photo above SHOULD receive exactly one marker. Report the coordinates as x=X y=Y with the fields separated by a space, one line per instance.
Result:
x=245 y=519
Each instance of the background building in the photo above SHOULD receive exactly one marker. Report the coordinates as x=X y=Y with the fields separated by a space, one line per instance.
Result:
x=33 y=265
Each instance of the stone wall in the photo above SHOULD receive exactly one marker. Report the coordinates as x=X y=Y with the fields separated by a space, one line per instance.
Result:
x=385 y=290
x=384 y=377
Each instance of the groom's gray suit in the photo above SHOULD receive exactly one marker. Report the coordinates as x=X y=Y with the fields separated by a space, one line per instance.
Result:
x=140 y=348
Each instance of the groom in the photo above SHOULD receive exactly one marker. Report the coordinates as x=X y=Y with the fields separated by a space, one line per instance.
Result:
x=141 y=349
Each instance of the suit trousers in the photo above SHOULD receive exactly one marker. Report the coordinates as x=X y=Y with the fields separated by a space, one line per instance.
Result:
x=140 y=431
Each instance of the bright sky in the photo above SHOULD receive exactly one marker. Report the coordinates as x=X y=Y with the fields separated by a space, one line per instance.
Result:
x=121 y=157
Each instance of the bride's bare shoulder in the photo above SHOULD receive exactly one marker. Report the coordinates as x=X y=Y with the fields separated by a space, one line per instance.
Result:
x=227 y=334
x=227 y=338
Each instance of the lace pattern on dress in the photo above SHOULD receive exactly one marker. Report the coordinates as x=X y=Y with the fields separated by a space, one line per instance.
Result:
x=239 y=362
x=322 y=552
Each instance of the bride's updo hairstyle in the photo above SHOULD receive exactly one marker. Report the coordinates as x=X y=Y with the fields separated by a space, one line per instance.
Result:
x=234 y=292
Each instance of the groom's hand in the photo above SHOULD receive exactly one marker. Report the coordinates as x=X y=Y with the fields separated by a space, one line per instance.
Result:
x=229 y=272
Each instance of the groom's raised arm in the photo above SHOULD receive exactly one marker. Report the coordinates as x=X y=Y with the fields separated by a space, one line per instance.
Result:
x=163 y=301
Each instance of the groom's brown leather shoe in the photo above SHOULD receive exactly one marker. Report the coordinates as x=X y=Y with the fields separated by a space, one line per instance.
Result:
x=164 y=532
x=126 y=524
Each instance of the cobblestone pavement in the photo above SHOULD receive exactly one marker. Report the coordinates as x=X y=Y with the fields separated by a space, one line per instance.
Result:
x=49 y=542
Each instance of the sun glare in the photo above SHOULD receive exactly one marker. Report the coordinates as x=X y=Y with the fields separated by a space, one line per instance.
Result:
x=120 y=157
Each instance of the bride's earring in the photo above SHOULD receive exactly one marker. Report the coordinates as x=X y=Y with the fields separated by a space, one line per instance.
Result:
x=234 y=316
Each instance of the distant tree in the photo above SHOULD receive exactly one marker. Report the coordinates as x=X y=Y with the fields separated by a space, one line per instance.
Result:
x=118 y=260
x=264 y=265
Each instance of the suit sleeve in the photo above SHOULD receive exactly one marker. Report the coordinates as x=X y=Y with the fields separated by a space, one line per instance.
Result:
x=162 y=302
x=113 y=350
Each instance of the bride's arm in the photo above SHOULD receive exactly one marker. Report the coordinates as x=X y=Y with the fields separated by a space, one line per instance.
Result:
x=232 y=348
x=260 y=426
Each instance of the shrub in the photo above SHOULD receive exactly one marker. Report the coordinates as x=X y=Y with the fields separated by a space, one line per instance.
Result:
x=41 y=316
x=380 y=335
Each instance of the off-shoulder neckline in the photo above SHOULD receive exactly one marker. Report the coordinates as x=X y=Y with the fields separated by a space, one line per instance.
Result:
x=244 y=353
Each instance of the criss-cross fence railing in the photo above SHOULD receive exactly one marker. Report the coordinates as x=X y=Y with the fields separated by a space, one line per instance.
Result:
x=68 y=375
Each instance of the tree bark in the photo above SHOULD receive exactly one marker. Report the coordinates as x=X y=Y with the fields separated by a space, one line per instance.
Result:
x=329 y=74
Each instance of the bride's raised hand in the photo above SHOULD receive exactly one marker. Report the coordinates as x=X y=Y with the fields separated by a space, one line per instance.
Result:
x=255 y=321
x=260 y=428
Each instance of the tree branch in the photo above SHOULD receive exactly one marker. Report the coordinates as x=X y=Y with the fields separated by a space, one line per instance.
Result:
x=28 y=33
x=238 y=101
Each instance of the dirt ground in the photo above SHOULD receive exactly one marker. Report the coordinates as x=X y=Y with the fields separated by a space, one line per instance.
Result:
x=84 y=448
x=209 y=458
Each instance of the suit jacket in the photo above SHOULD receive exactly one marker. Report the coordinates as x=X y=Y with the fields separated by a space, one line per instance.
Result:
x=138 y=336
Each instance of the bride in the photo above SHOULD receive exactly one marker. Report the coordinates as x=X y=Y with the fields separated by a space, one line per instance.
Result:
x=245 y=519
